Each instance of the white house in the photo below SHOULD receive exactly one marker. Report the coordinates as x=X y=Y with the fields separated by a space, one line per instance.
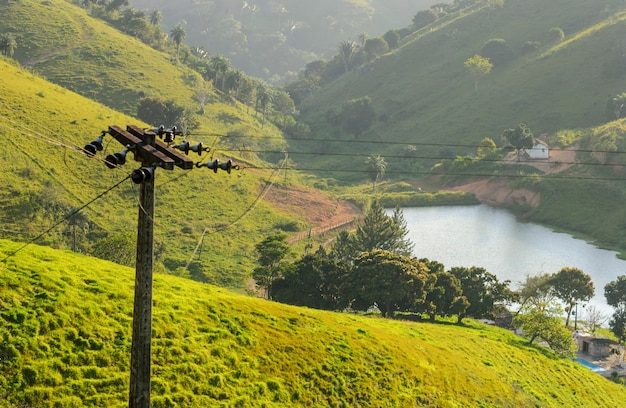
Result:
x=540 y=151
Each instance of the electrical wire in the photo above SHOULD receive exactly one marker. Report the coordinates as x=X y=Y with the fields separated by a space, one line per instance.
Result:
x=67 y=217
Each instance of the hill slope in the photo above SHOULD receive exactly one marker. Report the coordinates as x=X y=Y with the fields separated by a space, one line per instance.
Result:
x=270 y=39
x=65 y=341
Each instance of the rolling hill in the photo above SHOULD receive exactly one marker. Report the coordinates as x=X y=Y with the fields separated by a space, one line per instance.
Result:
x=66 y=331
x=207 y=224
x=274 y=40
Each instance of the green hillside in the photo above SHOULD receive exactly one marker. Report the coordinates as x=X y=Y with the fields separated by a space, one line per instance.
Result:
x=66 y=332
x=427 y=110
x=274 y=40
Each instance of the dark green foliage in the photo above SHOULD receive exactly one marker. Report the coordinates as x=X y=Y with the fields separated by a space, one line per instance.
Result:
x=380 y=231
x=498 y=52
x=357 y=115
x=484 y=292
x=571 y=285
x=520 y=137
x=270 y=254
x=392 y=37
x=424 y=18
x=387 y=280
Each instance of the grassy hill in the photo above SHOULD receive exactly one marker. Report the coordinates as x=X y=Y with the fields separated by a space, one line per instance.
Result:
x=207 y=224
x=274 y=40
x=66 y=332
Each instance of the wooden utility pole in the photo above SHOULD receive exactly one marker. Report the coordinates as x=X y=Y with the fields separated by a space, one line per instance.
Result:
x=153 y=154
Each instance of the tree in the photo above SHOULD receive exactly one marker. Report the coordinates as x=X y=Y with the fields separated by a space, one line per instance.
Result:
x=77 y=220
x=118 y=247
x=594 y=319
x=8 y=44
x=156 y=18
x=392 y=37
x=220 y=66
x=357 y=115
x=618 y=105
x=376 y=167
x=535 y=291
x=445 y=298
x=483 y=292
x=178 y=35
x=374 y=48
x=486 y=147
x=543 y=322
x=615 y=294
x=497 y=52
x=389 y=281
x=424 y=18
x=314 y=281
x=347 y=49
x=571 y=285
x=520 y=138
x=478 y=67
x=380 y=231
x=270 y=255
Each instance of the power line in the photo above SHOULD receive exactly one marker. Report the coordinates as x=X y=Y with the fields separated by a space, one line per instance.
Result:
x=67 y=217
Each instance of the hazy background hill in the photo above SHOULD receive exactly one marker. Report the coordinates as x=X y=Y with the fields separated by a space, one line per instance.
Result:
x=273 y=40
x=66 y=334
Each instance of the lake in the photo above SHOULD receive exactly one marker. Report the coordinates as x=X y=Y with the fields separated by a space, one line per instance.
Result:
x=494 y=239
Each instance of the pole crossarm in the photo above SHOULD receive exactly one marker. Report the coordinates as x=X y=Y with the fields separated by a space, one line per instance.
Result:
x=180 y=160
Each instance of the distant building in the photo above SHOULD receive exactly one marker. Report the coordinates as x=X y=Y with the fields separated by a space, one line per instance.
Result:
x=540 y=151
x=594 y=347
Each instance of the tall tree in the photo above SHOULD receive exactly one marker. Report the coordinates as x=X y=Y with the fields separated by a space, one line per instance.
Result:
x=543 y=322
x=380 y=231
x=536 y=291
x=156 y=18
x=571 y=285
x=520 y=138
x=178 y=35
x=376 y=167
x=8 y=44
x=270 y=255
x=446 y=297
x=478 y=67
x=483 y=291
x=220 y=66
x=347 y=49
x=389 y=281
x=615 y=294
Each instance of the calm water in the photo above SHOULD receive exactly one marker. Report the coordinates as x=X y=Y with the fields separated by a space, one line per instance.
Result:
x=493 y=239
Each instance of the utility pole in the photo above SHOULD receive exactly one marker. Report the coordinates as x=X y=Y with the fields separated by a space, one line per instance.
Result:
x=152 y=153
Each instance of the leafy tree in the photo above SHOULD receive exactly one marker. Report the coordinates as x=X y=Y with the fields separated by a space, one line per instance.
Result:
x=617 y=323
x=347 y=49
x=445 y=298
x=478 y=67
x=380 y=231
x=220 y=66
x=424 y=18
x=8 y=44
x=178 y=35
x=543 y=322
x=520 y=138
x=497 y=52
x=374 y=48
x=387 y=280
x=357 y=115
x=343 y=248
x=376 y=167
x=392 y=37
x=535 y=291
x=313 y=281
x=486 y=147
x=615 y=294
x=270 y=255
x=571 y=285
x=483 y=292
x=618 y=105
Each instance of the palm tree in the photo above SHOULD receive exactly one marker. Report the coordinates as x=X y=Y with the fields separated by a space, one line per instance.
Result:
x=376 y=167
x=178 y=35
x=8 y=44
x=77 y=219
x=220 y=65
x=347 y=50
x=156 y=18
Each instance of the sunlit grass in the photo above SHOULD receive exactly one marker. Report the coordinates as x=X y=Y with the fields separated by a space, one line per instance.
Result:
x=67 y=327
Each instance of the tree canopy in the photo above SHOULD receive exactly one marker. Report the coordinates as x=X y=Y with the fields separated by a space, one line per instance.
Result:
x=478 y=67
x=571 y=285
x=520 y=138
